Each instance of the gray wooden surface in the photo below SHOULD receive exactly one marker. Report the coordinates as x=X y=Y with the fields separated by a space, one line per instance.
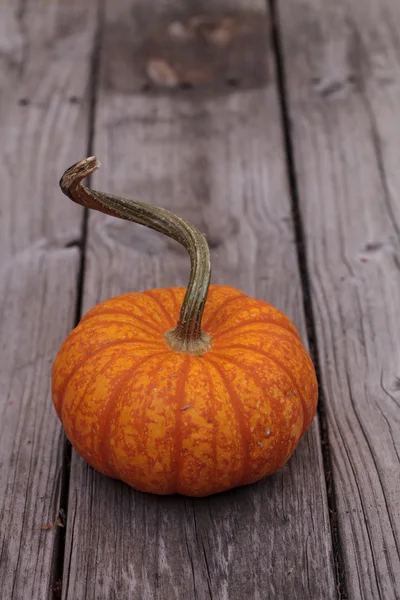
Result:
x=343 y=83
x=284 y=152
x=44 y=62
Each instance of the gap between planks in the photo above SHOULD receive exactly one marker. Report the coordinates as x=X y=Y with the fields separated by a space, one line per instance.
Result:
x=307 y=299
x=42 y=110
x=59 y=553
x=342 y=72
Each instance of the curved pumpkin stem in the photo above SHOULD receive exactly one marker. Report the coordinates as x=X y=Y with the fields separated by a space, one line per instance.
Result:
x=188 y=335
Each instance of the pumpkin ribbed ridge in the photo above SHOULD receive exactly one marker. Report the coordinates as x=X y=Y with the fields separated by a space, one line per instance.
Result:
x=151 y=327
x=237 y=407
x=180 y=395
x=160 y=306
x=279 y=365
x=111 y=408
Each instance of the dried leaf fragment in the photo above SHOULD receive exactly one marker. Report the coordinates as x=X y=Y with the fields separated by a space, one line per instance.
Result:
x=59 y=523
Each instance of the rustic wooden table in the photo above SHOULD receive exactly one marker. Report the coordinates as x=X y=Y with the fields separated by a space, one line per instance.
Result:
x=277 y=133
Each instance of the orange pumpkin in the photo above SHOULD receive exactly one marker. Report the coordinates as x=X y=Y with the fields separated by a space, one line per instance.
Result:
x=220 y=401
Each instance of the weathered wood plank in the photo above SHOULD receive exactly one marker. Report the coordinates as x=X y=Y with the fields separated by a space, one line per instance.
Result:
x=38 y=295
x=44 y=57
x=217 y=159
x=45 y=50
x=343 y=75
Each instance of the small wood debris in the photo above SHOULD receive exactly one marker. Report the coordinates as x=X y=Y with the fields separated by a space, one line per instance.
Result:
x=267 y=432
x=57 y=588
x=59 y=522
x=161 y=73
x=180 y=31
x=186 y=407
x=218 y=32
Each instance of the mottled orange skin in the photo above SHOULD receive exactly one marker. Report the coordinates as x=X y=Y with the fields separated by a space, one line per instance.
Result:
x=167 y=422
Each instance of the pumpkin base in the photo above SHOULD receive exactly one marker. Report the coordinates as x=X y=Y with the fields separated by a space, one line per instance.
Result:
x=197 y=347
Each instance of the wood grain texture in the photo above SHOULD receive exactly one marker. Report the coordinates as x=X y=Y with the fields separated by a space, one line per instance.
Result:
x=44 y=57
x=44 y=60
x=343 y=77
x=217 y=160
x=39 y=290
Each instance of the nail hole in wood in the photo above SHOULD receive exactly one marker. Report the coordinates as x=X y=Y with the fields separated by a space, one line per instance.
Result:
x=73 y=100
x=23 y=101
x=73 y=244
x=186 y=85
x=373 y=246
x=232 y=82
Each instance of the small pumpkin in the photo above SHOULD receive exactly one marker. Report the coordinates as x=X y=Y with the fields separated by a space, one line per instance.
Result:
x=219 y=400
